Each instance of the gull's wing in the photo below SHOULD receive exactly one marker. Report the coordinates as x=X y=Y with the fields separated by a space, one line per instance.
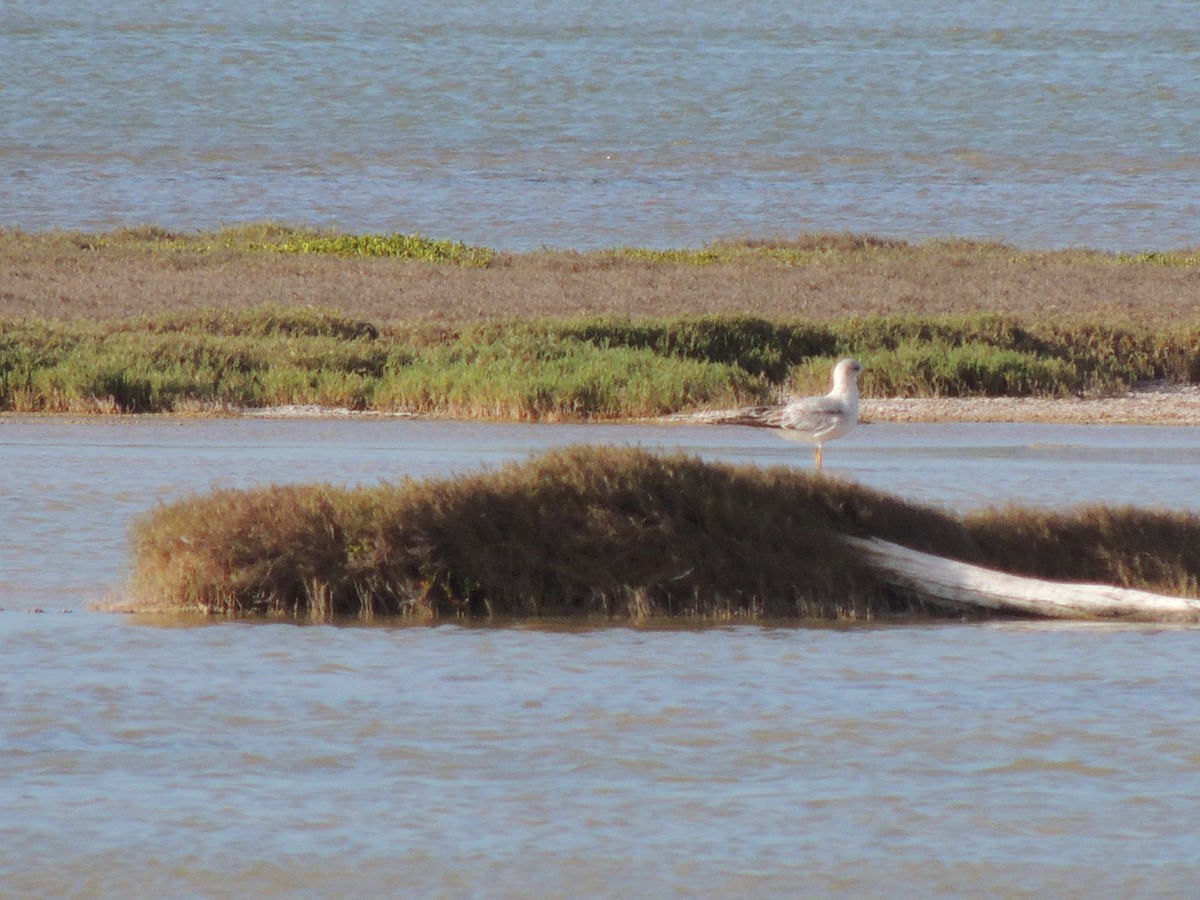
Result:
x=811 y=415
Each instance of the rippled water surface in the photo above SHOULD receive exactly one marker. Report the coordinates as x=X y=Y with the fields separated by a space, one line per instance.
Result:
x=264 y=759
x=576 y=125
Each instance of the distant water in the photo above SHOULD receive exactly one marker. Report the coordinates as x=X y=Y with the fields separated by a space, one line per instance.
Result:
x=269 y=760
x=562 y=124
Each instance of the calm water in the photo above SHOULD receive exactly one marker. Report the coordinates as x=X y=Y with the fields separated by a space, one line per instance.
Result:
x=264 y=760
x=556 y=123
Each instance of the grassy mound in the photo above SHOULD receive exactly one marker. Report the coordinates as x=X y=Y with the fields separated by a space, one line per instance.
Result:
x=608 y=533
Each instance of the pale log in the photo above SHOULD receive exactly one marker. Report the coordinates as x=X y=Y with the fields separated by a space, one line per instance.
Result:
x=959 y=584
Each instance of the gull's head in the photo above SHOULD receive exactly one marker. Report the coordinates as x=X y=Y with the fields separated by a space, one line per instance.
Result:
x=845 y=374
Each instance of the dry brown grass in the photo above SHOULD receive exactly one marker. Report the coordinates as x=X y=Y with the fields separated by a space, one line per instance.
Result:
x=131 y=274
x=612 y=533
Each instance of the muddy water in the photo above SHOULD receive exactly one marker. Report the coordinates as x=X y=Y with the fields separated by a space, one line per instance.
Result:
x=273 y=759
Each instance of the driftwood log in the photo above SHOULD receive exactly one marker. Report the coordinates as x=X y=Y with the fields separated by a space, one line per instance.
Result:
x=960 y=585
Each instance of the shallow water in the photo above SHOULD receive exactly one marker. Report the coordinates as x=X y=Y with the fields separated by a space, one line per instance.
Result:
x=266 y=759
x=976 y=760
x=519 y=125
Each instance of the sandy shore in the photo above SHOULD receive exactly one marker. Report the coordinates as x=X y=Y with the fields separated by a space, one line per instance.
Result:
x=1155 y=404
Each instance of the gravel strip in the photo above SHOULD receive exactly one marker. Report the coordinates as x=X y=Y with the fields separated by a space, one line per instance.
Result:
x=1150 y=405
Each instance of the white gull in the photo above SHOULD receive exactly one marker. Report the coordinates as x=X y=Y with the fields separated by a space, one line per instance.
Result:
x=813 y=420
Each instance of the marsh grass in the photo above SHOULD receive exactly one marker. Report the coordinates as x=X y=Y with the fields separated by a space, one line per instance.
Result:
x=554 y=369
x=608 y=533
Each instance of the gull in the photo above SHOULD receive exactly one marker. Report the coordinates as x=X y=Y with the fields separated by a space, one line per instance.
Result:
x=813 y=420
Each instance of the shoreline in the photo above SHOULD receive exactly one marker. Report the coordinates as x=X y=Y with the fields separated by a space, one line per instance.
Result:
x=1151 y=404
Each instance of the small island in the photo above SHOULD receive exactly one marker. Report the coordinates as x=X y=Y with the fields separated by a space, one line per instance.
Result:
x=618 y=534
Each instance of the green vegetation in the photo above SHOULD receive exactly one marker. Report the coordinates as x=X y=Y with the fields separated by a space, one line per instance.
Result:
x=610 y=533
x=267 y=358
x=276 y=238
x=280 y=238
x=600 y=368
x=805 y=250
x=400 y=246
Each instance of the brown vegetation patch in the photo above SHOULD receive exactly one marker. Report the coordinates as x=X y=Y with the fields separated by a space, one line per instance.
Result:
x=818 y=277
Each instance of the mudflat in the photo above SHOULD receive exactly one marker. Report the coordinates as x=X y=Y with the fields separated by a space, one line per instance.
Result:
x=138 y=272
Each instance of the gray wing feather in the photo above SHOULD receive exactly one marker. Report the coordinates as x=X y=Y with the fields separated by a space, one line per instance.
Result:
x=813 y=415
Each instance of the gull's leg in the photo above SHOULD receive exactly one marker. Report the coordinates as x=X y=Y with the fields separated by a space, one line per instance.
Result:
x=818 y=456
